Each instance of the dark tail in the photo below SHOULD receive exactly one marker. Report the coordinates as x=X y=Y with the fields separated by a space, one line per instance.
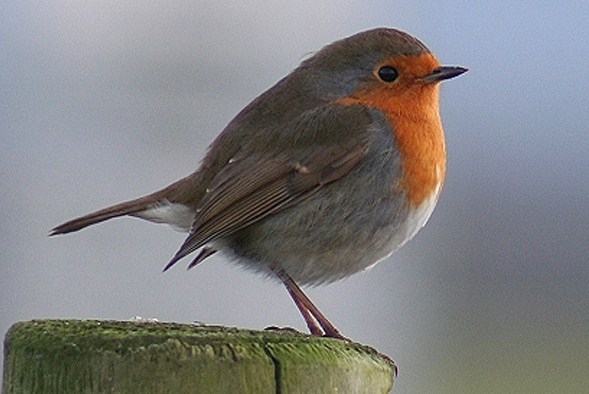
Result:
x=122 y=209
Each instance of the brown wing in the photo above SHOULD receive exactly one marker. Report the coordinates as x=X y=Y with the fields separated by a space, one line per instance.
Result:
x=251 y=187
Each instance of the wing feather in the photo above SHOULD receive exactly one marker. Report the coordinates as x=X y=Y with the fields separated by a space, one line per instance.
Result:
x=252 y=187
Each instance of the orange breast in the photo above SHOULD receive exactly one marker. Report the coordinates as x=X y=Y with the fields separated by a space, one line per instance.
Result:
x=412 y=109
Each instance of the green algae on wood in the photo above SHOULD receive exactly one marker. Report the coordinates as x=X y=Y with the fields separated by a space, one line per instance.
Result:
x=91 y=356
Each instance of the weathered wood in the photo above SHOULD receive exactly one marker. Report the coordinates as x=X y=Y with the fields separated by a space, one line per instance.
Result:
x=91 y=356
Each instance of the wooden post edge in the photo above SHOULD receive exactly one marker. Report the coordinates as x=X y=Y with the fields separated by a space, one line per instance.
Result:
x=94 y=356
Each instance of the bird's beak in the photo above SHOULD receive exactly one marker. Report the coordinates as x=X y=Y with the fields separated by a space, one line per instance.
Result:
x=444 y=72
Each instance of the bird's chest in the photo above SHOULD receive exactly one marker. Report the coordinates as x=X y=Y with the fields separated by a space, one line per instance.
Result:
x=423 y=158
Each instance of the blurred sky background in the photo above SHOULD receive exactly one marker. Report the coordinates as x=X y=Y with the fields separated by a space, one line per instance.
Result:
x=103 y=101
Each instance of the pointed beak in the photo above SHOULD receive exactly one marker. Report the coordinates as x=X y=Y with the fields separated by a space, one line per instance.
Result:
x=444 y=72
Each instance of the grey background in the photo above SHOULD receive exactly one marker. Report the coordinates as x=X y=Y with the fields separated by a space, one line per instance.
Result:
x=104 y=101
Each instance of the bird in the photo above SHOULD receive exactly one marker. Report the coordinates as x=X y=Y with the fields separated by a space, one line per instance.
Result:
x=322 y=176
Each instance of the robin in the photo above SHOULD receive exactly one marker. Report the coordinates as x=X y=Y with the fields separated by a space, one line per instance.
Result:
x=323 y=175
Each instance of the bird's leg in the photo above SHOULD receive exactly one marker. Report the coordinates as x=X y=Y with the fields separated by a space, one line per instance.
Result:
x=310 y=312
x=309 y=319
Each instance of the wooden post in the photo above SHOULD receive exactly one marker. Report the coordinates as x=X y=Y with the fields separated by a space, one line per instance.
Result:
x=91 y=356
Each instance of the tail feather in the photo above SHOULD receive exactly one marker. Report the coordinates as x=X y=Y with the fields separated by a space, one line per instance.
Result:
x=183 y=193
x=122 y=209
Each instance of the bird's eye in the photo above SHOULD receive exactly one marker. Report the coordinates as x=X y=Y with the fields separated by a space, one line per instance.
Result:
x=388 y=74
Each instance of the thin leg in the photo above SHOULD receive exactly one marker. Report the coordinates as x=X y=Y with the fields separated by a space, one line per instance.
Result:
x=309 y=311
x=309 y=319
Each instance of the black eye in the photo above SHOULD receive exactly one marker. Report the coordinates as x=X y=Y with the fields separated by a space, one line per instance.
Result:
x=388 y=74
